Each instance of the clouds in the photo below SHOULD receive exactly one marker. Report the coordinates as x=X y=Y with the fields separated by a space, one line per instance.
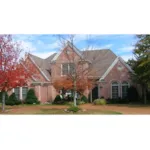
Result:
x=28 y=46
x=108 y=46
x=45 y=45
x=44 y=54
x=126 y=49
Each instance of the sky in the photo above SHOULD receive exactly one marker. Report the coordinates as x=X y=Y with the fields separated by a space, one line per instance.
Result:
x=43 y=45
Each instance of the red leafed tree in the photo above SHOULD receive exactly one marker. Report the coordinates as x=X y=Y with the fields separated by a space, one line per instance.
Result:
x=67 y=84
x=13 y=70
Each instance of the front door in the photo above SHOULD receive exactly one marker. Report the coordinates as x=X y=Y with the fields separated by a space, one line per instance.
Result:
x=95 y=93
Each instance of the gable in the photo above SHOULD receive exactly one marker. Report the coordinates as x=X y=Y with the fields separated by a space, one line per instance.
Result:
x=40 y=76
x=68 y=48
x=101 y=60
x=119 y=66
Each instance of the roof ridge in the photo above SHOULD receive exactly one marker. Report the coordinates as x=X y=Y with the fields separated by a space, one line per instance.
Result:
x=96 y=50
x=35 y=56
x=50 y=55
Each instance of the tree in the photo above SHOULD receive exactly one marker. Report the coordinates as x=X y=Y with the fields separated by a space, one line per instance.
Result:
x=78 y=78
x=141 y=63
x=14 y=71
x=66 y=83
x=31 y=97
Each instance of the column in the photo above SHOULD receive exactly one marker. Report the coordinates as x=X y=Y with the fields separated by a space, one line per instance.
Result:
x=39 y=92
x=20 y=93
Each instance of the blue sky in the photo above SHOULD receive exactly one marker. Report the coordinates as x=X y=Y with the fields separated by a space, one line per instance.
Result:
x=45 y=45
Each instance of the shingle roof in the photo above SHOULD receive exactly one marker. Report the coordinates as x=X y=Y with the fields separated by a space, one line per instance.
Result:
x=101 y=60
x=43 y=64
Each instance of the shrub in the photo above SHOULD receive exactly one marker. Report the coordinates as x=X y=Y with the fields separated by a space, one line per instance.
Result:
x=69 y=98
x=31 y=97
x=74 y=109
x=99 y=102
x=58 y=100
x=79 y=102
x=6 y=97
x=0 y=97
x=132 y=94
x=84 y=99
x=117 y=101
x=12 y=100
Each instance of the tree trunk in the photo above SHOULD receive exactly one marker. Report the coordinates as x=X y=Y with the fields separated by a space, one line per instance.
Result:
x=3 y=101
x=74 y=91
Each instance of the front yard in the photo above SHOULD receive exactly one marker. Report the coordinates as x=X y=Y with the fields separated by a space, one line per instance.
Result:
x=85 y=109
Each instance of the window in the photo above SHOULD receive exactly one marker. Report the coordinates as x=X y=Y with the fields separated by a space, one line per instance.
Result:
x=21 y=94
x=17 y=92
x=68 y=68
x=72 y=68
x=64 y=69
x=24 y=92
x=115 y=90
x=125 y=86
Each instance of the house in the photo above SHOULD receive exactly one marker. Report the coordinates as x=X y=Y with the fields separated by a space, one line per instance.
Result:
x=112 y=74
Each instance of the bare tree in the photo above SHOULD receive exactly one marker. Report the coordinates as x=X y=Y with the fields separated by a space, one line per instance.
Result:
x=80 y=74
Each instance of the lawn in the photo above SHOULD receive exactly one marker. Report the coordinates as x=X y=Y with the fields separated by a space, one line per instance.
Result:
x=85 y=109
x=51 y=109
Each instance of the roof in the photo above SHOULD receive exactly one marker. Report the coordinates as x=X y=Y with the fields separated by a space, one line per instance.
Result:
x=70 y=45
x=43 y=64
x=101 y=60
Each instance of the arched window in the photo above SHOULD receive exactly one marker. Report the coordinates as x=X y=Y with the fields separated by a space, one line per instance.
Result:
x=125 y=86
x=115 y=90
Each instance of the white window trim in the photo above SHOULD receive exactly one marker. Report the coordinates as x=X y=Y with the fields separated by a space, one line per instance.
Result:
x=118 y=88
x=14 y=91
x=20 y=92
x=62 y=69
x=122 y=86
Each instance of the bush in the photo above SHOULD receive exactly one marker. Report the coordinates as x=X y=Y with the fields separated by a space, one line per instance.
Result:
x=84 y=99
x=6 y=97
x=79 y=102
x=69 y=98
x=132 y=94
x=74 y=109
x=31 y=97
x=58 y=100
x=99 y=102
x=0 y=97
x=117 y=101
x=12 y=100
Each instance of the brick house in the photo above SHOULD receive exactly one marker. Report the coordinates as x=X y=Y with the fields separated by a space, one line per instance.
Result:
x=112 y=74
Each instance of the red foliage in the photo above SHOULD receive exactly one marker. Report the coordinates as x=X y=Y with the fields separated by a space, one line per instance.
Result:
x=67 y=84
x=13 y=72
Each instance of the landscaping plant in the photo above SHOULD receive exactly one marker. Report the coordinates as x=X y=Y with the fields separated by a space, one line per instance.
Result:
x=12 y=100
x=99 y=102
x=74 y=109
x=31 y=97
